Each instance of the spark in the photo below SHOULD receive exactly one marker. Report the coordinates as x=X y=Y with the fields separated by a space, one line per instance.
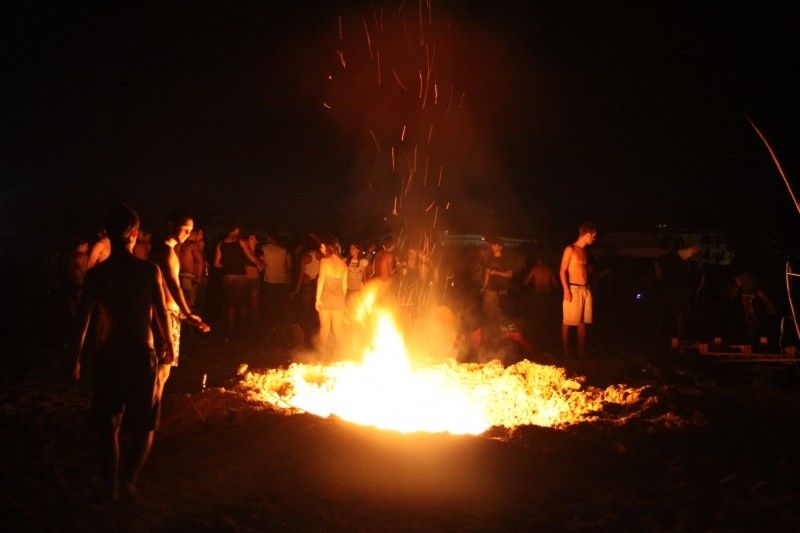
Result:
x=378 y=52
x=441 y=171
x=369 y=39
x=325 y=105
x=392 y=158
x=777 y=163
x=430 y=206
x=397 y=79
x=403 y=134
x=376 y=141
x=430 y=132
x=341 y=58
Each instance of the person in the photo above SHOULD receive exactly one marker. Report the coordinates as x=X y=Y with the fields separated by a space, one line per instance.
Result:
x=179 y=226
x=330 y=295
x=577 y=302
x=143 y=245
x=672 y=289
x=192 y=267
x=543 y=285
x=385 y=262
x=99 y=251
x=356 y=273
x=253 y=273
x=305 y=288
x=276 y=277
x=128 y=295
x=496 y=280
x=74 y=274
x=230 y=257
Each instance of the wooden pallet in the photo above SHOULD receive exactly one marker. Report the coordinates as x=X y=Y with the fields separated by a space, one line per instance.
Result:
x=744 y=353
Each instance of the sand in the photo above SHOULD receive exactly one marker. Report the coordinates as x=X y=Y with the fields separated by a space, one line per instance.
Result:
x=713 y=447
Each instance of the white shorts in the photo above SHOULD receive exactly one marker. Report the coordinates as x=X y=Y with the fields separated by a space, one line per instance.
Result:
x=579 y=310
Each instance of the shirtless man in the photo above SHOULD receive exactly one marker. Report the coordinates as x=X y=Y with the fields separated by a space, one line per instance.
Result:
x=574 y=274
x=179 y=226
x=127 y=293
x=192 y=267
x=384 y=263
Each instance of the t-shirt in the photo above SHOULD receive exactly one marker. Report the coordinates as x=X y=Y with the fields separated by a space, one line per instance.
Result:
x=498 y=283
x=355 y=273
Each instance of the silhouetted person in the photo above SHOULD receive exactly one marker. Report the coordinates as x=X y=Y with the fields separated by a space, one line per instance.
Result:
x=128 y=295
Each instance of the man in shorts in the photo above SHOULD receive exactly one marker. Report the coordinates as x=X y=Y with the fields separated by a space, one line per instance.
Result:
x=574 y=274
x=126 y=293
x=179 y=226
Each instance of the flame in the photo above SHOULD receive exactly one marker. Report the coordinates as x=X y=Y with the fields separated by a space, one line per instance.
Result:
x=387 y=391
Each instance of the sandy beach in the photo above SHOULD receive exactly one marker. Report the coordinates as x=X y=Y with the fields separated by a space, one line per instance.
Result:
x=709 y=447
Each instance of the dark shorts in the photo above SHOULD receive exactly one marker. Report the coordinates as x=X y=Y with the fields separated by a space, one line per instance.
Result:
x=236 y=289
x=124 y=389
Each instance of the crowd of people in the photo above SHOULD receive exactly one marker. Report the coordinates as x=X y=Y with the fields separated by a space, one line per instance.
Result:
x=134 y=292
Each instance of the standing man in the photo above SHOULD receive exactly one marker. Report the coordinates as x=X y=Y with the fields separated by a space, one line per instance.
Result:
x=127 y=293
x=277 y=275
x=179 y=226
x=193 y=267
x=574 y=274
x=496 y=280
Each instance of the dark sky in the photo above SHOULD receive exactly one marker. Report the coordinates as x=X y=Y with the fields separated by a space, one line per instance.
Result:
x=620 y=112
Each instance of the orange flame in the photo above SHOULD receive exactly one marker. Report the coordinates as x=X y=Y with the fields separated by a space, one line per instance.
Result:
x=387 y=391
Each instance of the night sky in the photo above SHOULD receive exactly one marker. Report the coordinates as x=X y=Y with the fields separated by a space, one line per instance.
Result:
x=623 y=113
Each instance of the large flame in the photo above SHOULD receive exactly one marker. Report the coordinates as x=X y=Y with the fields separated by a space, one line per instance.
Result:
x=387 y=391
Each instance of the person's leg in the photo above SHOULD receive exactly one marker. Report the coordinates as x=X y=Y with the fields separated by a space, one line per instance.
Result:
x=565 y=339
x=582 y=340
x=324 y=329
x=337 y=326
x=138 y=450
x=109 y=458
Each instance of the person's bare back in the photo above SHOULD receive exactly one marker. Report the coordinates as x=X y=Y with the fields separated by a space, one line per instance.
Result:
x=126 y=290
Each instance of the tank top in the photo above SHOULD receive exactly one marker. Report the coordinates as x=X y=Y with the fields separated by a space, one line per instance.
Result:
x=233 y=258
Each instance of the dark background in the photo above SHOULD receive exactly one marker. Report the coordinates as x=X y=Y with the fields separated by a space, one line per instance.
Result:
x=627 y=114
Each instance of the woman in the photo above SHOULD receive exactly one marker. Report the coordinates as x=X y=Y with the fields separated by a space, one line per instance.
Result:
x=231 y=256
x=331 y=290
x=356 y=273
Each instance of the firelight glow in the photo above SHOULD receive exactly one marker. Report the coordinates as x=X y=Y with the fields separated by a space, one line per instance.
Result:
x=387 y=391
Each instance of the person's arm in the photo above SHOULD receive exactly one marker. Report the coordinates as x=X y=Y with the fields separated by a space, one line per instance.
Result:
x=323 y=273
x=218 y=256
x=174 y=287
x=249 y=254
x=95 y=253
x=528 y=278
x=198 y=260
x=301 y=274
x=563 y=272
x=85 y=308
x=344 y=279
x=159 y=304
